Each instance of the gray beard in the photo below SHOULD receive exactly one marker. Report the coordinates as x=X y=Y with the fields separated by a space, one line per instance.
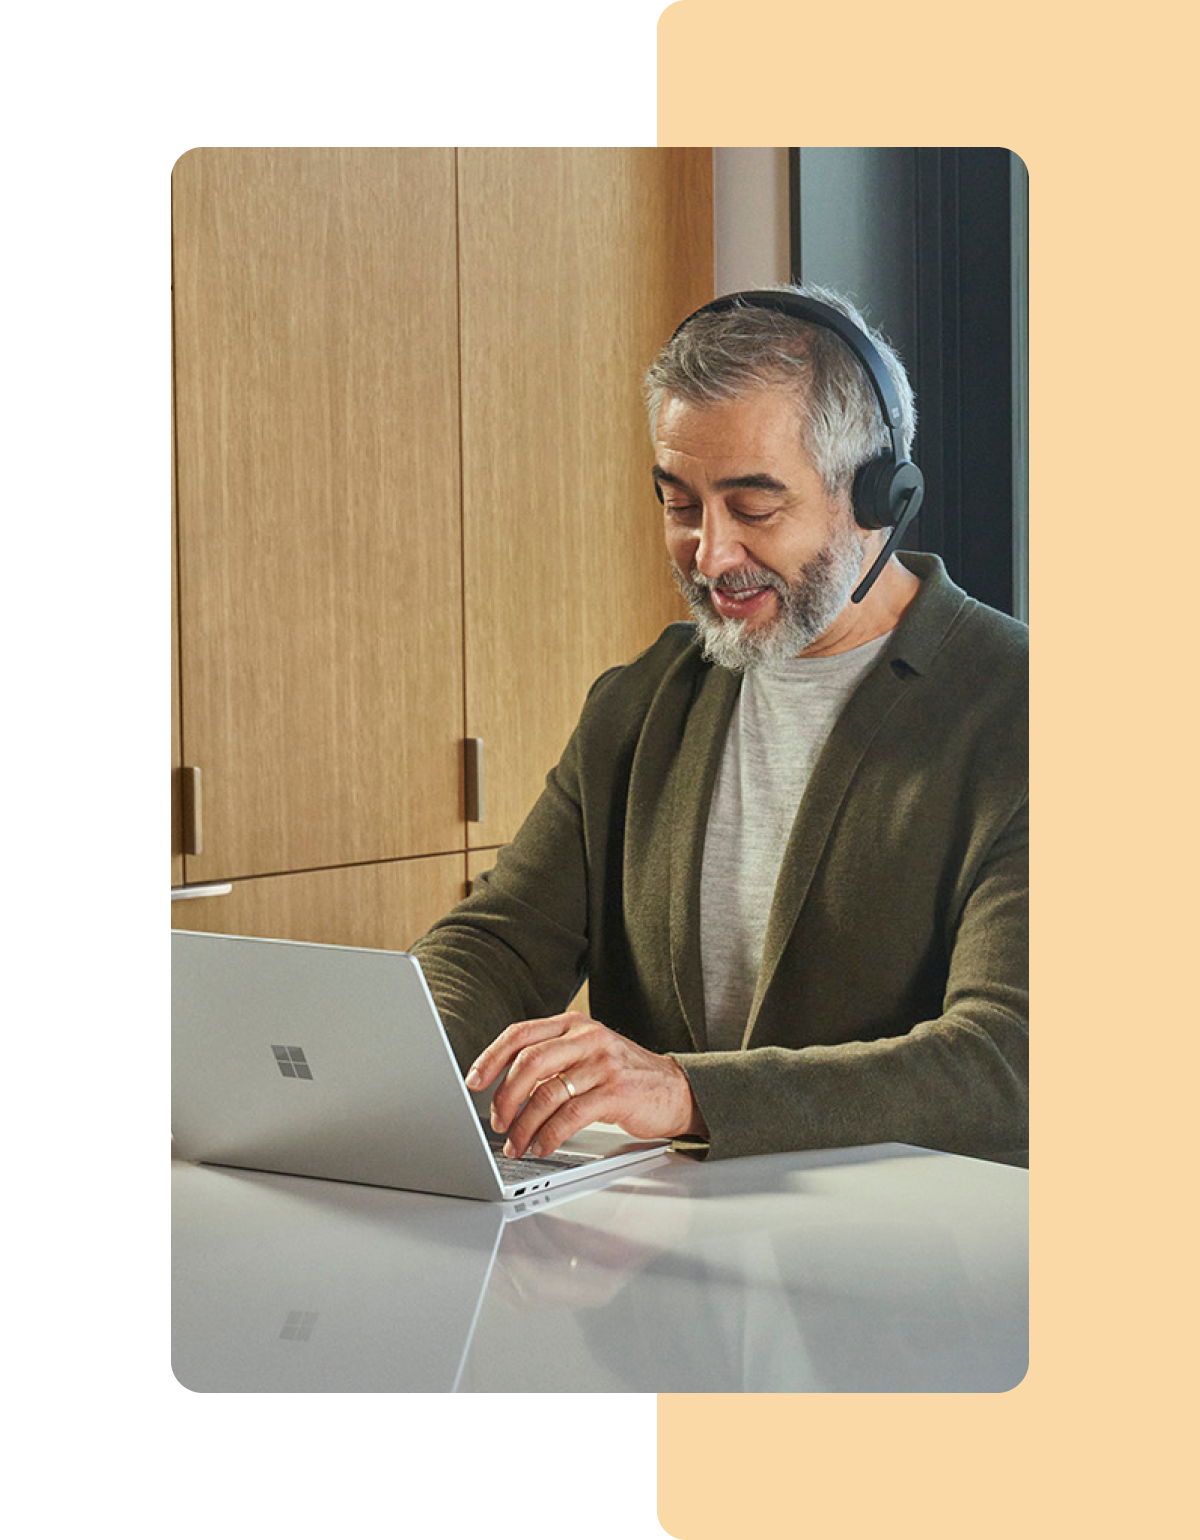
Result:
x=807 y=608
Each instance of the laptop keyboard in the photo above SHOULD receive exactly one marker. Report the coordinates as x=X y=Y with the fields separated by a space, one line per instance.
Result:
x=530 y=1166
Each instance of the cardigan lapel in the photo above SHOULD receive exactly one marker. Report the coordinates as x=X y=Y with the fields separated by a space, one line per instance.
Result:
x=909 y=655
x=694 y=776
x=848 y=741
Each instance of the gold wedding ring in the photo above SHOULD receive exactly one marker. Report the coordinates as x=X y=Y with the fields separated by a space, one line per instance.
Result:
x=570 y=1088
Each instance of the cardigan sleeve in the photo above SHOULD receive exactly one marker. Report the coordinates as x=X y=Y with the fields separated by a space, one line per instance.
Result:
x=958 y=1082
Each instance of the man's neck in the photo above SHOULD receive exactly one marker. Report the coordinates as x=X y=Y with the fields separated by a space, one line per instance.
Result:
x=889 y=596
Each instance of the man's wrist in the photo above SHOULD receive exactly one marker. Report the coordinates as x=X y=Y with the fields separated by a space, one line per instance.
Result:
x=697 y=1128
x=692 y=1120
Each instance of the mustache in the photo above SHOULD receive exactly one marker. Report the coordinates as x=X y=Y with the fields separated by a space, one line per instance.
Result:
x=736 y=581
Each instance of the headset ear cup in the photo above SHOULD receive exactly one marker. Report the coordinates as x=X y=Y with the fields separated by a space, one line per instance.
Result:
x=907 y=482
x=870 y=494
x=882 y=490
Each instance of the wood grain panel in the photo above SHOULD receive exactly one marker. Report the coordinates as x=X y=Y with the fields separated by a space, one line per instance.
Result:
x=317 y=421
x=385 y=905
x=575 y=266
x=176 y=730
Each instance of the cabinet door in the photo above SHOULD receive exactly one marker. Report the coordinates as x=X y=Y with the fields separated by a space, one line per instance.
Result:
x=316 y=361
x=576 y=265
x=385 y=905
x=176 y=739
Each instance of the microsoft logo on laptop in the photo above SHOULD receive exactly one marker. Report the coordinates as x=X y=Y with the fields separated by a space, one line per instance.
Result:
x=292 y=1062
x=299 y=1325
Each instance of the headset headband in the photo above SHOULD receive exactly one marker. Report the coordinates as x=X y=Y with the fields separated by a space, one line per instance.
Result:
x=801 y=308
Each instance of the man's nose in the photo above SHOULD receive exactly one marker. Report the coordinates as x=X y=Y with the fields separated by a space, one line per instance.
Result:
x=719 y=547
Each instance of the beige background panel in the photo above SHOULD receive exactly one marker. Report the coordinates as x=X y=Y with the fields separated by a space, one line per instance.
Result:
x=1097 y=1438
x=317 y=434
x=386 y=905
x=565 y=569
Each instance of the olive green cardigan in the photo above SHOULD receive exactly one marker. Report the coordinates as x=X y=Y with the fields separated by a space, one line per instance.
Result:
x=892 y=999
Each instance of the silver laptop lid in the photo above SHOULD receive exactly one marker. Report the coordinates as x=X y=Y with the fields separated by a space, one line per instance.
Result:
x=319 y=1061
x=332 y=1061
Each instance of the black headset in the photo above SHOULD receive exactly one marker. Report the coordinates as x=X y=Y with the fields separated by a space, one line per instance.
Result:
x=887 y=490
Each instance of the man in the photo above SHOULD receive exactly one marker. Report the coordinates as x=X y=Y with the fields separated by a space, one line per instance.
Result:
x=787 y=846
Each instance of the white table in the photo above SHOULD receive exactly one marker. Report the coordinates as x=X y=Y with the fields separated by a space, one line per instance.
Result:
x=884 y=1268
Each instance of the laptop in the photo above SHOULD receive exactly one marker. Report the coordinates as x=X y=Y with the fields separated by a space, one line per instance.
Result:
x=332 y=1062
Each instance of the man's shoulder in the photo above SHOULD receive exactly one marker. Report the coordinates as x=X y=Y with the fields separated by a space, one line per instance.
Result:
x=675 y=651
x=662 y=680
x=657 y=687
x=994 y=638
x=948 y=633
x=979 y=699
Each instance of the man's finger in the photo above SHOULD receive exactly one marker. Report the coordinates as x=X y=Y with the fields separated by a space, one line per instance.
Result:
x=551 y=1130
x=497 y=1056
x=534 y=1064
x=541 y=1105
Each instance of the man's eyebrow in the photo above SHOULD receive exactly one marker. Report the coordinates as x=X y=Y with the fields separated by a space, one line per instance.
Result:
x=755 y=481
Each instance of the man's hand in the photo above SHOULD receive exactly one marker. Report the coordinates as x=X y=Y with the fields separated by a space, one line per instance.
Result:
x=611 y=1080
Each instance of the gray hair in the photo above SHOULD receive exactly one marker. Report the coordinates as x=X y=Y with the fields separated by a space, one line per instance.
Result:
x=727 y=355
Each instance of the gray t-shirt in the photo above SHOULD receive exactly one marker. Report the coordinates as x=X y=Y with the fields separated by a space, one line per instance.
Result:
x=783 y=715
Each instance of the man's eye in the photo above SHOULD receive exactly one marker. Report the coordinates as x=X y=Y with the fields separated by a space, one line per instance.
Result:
x=683 y=510
x=753 y=516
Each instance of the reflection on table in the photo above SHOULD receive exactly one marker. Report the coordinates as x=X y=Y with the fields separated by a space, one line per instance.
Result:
x=878 y=1269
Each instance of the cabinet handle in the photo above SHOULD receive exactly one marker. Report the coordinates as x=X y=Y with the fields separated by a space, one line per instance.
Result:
x=202 y=890
x=473 y=765
x=193 y=821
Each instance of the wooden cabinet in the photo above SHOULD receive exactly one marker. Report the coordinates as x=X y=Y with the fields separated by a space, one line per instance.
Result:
x=413 y=502
x=576 y=266
x=316 y=380
x=379 y=904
